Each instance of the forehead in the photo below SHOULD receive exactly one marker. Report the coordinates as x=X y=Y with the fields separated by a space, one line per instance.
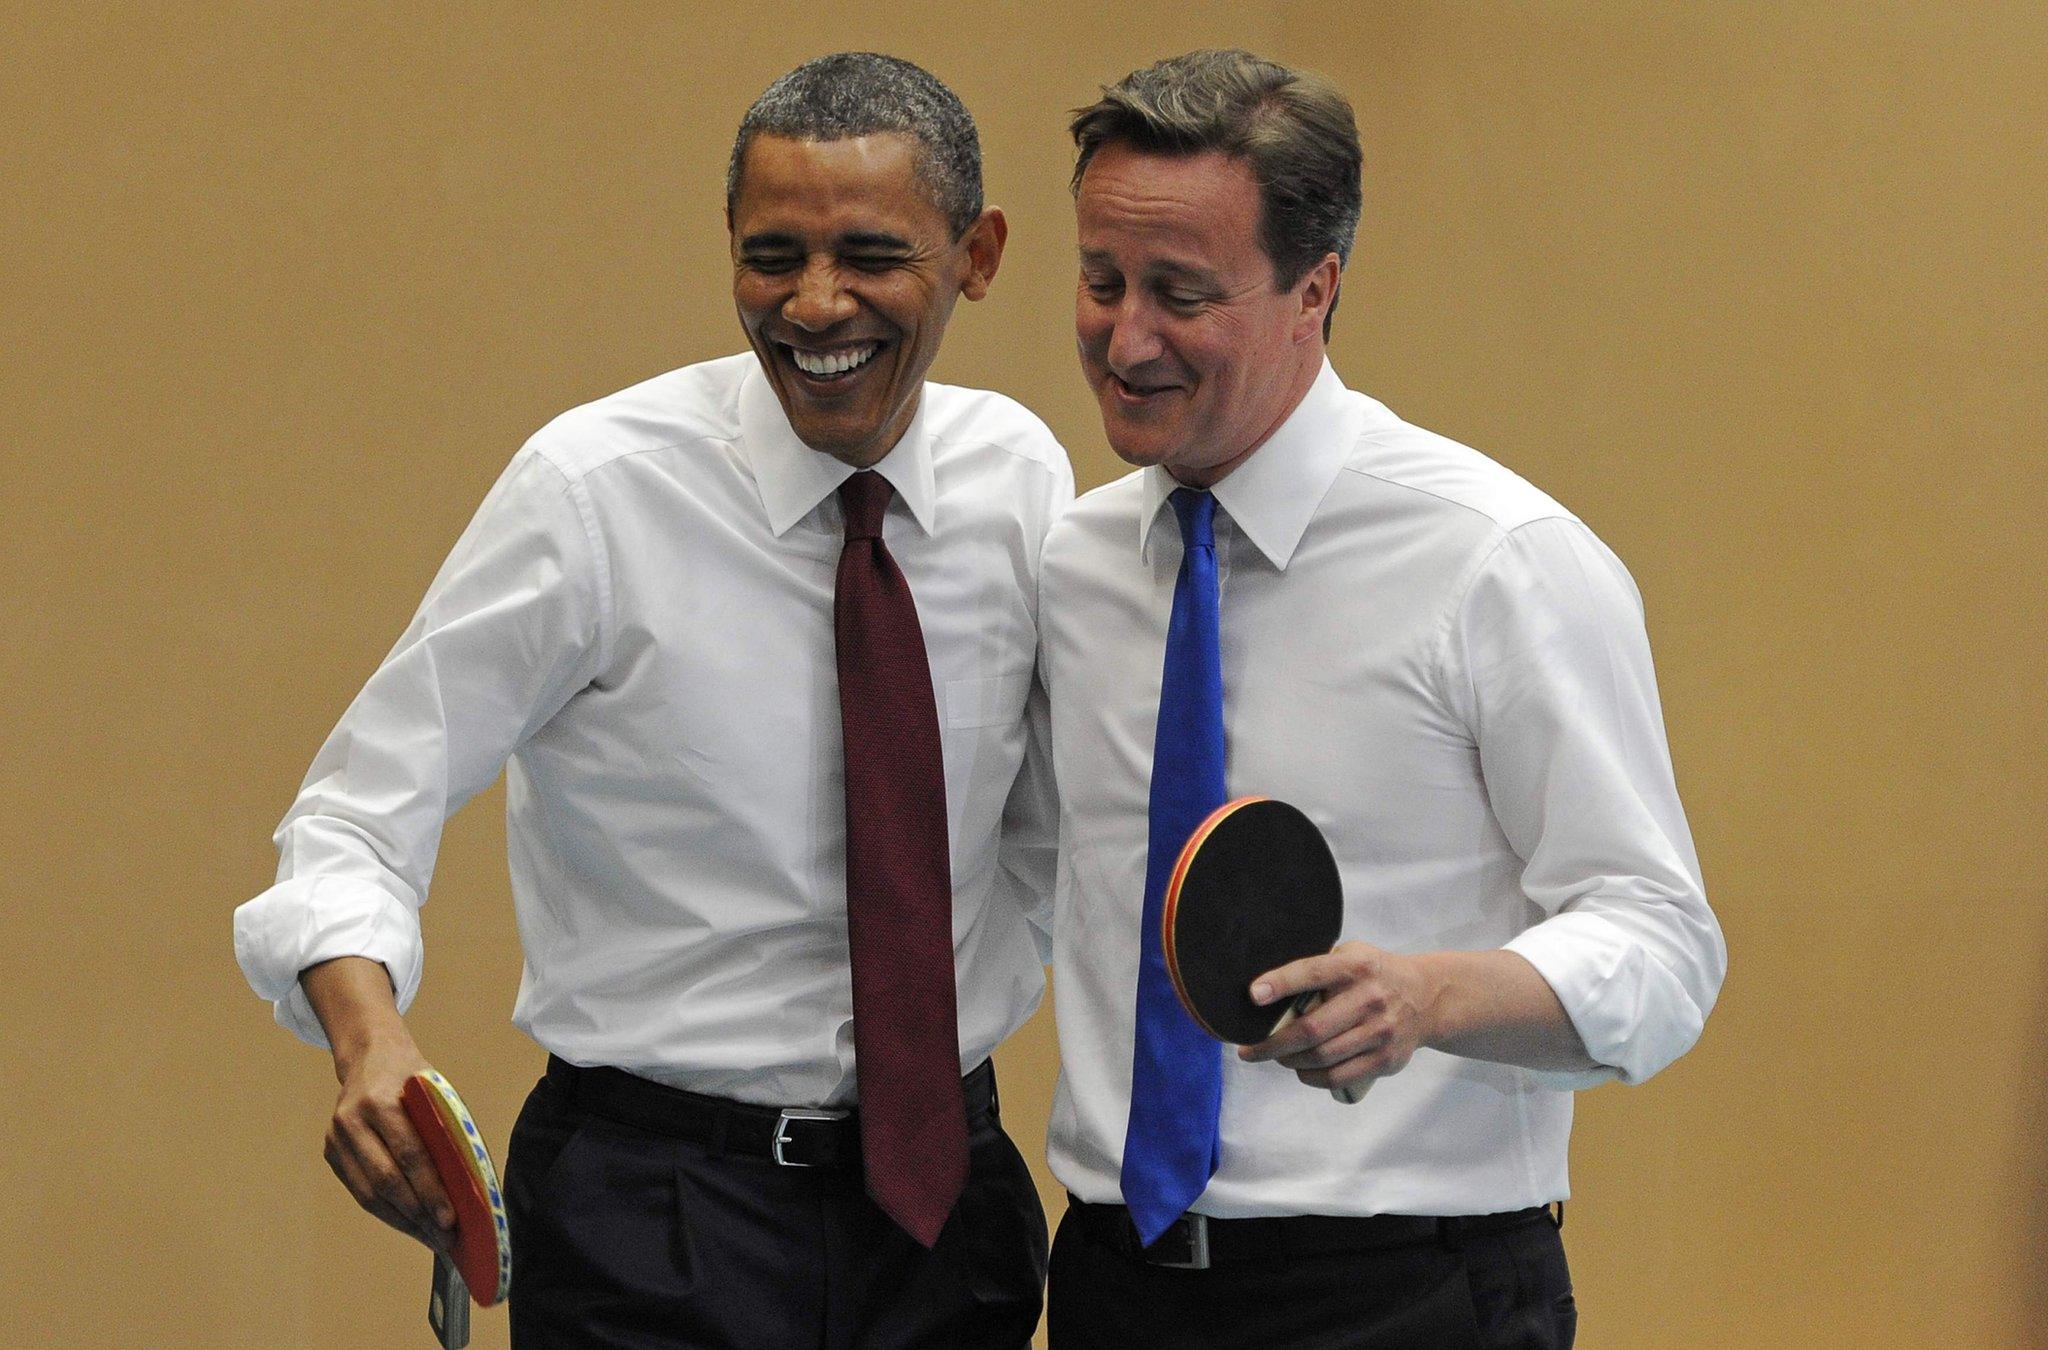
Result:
x=856 y=183
x=1133 y=204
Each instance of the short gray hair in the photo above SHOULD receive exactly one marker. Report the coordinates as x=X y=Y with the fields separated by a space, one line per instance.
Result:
x=1292 y=128
x=863 y=94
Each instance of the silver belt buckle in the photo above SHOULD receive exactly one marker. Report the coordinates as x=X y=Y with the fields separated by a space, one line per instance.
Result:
x=782 y=1135
x=1198 y=1244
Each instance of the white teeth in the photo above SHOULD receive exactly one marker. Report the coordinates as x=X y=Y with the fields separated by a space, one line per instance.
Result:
x=833 y=363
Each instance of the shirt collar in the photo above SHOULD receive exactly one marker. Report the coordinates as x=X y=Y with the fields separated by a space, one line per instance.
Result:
x=793 y=478
x=1272 y=494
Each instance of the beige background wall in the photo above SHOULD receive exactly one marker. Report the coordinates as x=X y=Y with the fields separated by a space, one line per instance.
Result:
x=1757 y=289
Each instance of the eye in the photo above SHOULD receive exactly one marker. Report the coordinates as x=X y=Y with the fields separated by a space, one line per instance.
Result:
x=1102 y=288
x=1185 y=301
x=872 y=263
x=773 y=264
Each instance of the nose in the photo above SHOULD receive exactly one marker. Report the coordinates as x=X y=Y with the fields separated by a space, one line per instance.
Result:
x=1133 y=336
x=819 y=300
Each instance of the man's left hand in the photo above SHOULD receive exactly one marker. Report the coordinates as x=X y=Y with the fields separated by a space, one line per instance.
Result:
x=1377 y=1010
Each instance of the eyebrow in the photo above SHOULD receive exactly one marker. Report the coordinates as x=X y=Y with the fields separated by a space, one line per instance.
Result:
x=870 y=240
x=874 y=239
x=1168 y=268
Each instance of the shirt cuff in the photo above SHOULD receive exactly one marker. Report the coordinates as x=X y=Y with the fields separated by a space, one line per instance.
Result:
x=1633 y=1014
x=304 y=921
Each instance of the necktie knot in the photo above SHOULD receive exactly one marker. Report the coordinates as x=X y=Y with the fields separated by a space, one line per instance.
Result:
x=1197 y=513
x=863 y=498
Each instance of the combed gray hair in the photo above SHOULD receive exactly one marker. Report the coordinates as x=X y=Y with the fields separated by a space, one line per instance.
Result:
x=1293 y=128
x=863 y=94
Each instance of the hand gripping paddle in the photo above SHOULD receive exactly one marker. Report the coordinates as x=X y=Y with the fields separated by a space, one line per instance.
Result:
x=480 y=1265
x=1254 y=888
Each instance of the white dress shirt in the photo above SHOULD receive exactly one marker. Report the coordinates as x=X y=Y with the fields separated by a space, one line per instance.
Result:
x=1450 y=674
x=639 y=620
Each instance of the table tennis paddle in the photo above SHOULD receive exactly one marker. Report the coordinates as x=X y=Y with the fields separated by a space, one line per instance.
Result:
x=480 y=1264
x=1255 y=887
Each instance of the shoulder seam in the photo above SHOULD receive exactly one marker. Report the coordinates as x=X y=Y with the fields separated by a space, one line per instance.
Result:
x=601 y=558
x=615 y=455
x=1048 y=463
x=1462 y=591
x=1558 y=513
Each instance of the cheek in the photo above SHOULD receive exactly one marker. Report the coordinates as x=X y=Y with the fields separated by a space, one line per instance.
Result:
x=1215 y=352
x=755 y=298
x=1092 y=329
x=900 y=300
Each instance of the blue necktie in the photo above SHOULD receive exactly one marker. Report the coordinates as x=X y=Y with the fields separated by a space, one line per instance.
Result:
x=1170 y=1146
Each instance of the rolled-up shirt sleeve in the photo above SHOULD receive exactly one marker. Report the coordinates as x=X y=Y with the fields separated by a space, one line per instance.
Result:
x=1548 y=662
x=511 y=628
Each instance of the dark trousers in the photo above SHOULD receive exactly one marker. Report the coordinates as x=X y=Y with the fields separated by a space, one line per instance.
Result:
x=1496 y=1290
x=625 y=1238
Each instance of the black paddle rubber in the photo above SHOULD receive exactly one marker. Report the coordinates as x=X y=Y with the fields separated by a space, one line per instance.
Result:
x=1254 y=888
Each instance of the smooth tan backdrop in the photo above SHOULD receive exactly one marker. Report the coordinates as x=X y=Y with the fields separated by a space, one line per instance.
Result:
x=1756 y=289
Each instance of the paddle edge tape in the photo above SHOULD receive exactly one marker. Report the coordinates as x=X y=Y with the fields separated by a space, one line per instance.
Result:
x=1170 y=908
x=440 y=1095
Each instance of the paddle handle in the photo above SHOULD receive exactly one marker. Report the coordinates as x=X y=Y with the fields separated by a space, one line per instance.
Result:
x=1305 y=1002
x=448 y=1305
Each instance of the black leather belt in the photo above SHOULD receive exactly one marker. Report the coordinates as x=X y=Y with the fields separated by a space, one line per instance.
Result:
x=1196 y=1241
x=793 y=1136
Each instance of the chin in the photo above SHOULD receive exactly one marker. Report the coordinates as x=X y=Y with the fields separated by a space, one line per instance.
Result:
x=847 y=446
x=819 y=432
x=1135 y=443
x=1139 y=452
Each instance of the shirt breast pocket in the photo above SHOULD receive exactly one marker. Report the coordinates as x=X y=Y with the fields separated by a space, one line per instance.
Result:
x=985 y=701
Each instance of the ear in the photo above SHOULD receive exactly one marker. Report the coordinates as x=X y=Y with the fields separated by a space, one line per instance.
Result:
x=984 y=239
x=1318 y=291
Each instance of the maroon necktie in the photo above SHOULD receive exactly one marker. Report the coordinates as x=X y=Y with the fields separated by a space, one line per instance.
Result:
x=899 y=887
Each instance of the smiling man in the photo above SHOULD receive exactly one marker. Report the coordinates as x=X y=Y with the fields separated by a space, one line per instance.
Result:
x=755 y=641
x=1300 y=595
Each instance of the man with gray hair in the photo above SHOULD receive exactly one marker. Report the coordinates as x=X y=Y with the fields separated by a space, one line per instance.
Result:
x=1442 y=667
x=755 y=642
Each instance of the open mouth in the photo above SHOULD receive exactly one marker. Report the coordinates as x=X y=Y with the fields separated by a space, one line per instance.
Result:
x=831 y=367
x=1138 y=393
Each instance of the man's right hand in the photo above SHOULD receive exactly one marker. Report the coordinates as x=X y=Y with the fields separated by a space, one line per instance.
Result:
x=371 y=1144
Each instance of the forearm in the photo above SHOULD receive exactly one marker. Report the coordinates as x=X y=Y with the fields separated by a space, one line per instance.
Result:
x=1493 y=1005
x=353 y=998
